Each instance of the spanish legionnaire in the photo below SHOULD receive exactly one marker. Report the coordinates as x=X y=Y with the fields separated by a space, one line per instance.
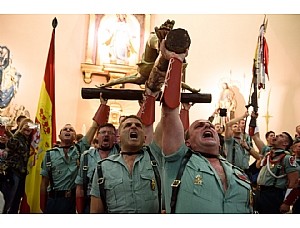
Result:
x=197 y=178
x=277 y=177
x=88 y=161
x=129 y=182
x=293 y=199
x=60 y=167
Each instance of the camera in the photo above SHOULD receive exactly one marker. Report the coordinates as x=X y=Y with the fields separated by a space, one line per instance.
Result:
x=33 y=125
x=223 y=112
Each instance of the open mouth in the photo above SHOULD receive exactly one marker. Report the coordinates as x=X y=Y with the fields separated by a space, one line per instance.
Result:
x=207 y=134
x=133 y=135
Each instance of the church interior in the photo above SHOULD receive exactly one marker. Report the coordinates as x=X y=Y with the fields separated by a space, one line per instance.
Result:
x=222 y=51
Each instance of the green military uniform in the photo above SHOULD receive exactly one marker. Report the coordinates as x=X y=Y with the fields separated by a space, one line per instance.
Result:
x=272 y=180
x=64 y=173
x=296 y=206
x=236 y=154
x=265 y=150
x=93 y=158
x=64 y=170
x=126 y=192
x=201 y=190
x=266 y=178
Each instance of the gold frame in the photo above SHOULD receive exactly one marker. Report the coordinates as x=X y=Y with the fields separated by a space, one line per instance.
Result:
x=93 y=65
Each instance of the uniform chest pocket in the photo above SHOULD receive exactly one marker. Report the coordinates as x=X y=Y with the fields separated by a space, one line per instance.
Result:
x=198 y=183
x=115 y=194
x=148 y=187
x=57 y=169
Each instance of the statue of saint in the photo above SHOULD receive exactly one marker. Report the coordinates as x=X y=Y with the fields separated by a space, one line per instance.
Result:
x=227 y=101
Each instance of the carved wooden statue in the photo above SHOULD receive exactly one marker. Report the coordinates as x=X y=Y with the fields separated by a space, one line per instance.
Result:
x=151 y=54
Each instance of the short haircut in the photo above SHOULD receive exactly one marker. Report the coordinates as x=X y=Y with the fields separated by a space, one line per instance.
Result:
x=131 y=116
x=290 y=140
x=268 y=133
x=107 y=125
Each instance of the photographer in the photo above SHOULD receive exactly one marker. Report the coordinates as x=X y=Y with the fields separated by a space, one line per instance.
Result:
x=18 y=154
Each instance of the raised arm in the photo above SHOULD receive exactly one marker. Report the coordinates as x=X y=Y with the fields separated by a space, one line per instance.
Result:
x=172 y=128
x=147 y=113
x=258 y=142
x=100 y=117
x=228 y=131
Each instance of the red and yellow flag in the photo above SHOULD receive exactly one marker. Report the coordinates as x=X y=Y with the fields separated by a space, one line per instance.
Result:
x=45 y=117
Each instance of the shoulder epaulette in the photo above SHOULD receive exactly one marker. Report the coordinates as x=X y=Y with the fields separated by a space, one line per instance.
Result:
x=238 y=168
x=52 y=149
x=85 y=152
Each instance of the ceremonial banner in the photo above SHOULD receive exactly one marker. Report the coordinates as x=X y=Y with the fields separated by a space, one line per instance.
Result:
x=45 y=117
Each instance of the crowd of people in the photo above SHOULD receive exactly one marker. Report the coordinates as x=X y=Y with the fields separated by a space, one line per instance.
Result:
x=177 y=167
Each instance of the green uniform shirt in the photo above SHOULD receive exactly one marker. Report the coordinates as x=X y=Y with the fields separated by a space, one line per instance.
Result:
x=265 y=150
x=64 y=171
x=288 y=164
x=125 y=192
x=92 y=158
x=201 y=190
x=242 y=156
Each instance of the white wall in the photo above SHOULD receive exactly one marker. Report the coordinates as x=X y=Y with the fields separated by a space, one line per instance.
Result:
x=222 y=49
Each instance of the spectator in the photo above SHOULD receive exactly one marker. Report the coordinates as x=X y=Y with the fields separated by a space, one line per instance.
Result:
x=18 y=148
x=18 y=121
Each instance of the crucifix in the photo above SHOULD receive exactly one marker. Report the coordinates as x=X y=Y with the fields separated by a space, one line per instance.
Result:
x=153 y=76
x=267 y=116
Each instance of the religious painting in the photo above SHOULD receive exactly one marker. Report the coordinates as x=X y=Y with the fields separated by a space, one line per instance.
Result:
x=119 y=39
x=9 y=78
x=115 y=44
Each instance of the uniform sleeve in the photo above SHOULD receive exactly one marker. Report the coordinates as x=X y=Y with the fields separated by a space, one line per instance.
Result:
x=290 y=164
x=178 y=154
x=79 y=177
x=83 y=144
x=44 y=171
x=157 y=152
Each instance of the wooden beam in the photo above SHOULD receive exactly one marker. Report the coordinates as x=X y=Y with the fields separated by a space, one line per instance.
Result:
x=130 y=94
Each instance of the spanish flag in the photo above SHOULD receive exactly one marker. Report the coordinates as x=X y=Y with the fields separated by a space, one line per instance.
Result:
x=45 y=117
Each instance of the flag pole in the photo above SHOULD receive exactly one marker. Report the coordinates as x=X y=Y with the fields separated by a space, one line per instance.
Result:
x=45 y=117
